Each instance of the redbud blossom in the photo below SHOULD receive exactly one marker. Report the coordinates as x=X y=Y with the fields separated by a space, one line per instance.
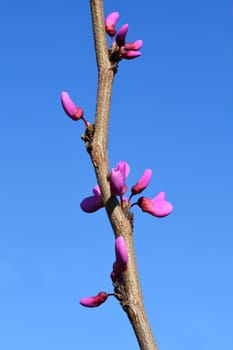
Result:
x=124 y=167
x=121 y=34
x=136 y=45
x=95 y=301
x=129 y=55
x=120 y=265
x=118 y=176
x=110 y=23
x=142 y=183
x=117 y=182
x=92 y=203
x=121 y=255
x=157 y=207
x=70 y=108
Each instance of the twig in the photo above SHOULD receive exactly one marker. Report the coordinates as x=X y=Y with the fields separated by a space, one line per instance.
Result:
x=131 y=301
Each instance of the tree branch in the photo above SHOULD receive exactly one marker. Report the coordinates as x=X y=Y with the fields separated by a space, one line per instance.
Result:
x=130 y=295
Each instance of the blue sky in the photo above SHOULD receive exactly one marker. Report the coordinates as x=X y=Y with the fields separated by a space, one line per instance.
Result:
x=172 y=112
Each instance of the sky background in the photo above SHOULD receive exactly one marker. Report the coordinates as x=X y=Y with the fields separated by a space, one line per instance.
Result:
x=171 y=112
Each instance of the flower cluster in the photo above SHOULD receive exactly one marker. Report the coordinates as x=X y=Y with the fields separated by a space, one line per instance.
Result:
x=120 y=48
x=158 y=206
x=119 y=266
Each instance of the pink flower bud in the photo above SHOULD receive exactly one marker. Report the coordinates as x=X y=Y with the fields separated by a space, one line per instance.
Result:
x=70 y=108
x=110 y=23
x=117 y=182
x=95 y=301
x=136 y=45
x=124 y=167
x=157 y=207
x=120 y=265
x=121 y=256
x=142 y=183
x=121 y=251
x=92 y=203
x=118 y=176
x=121 y=34
x=129 y=55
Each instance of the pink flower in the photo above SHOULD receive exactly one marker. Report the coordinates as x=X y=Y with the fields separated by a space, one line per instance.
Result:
x=95 y=301
x=110 y=23
x=92 y=203
x=121 y=34
x=142 y=183
x=70 y=108
x=129 y=55
x=120 y=265
x=121 y=255
x=118 y=176
x=157 y=207
x=136 y=45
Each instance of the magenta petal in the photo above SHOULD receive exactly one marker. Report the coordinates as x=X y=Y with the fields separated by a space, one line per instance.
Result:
x=70 y=108
x=129 y=55
x=95 y=301
x=161 y=207
x=110 y=23
x=124 y=168
x=91 y=204
x=136 y=45
x=117 y=182
x=121 y=251
x=157 y=207
x=67 y=103
x=120 y=265
x=117 y=178
x=96 y=191
x=121 y=34
x=112 y=18
x=142 y=182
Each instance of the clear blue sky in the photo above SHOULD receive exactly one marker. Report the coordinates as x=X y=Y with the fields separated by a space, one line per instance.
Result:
x=171 y=111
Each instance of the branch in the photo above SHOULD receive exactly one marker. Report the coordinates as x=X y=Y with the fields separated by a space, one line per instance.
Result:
x=129 y=295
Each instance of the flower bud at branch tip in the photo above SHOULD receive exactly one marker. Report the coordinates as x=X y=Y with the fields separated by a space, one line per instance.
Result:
x=142 y=183
x=121 y=34
x=110 y=23
x=120 y=48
